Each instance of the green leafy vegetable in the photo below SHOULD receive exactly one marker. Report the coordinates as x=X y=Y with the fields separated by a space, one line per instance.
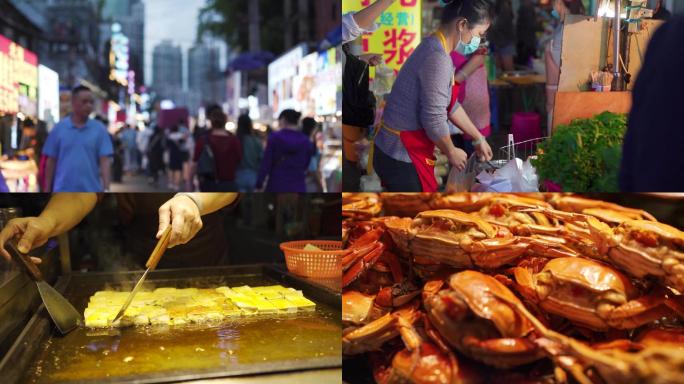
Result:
x=584 y=156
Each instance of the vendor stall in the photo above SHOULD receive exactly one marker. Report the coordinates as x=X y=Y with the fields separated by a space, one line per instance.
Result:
x=277 y=320
x=310 y=84
x=327 y=97
x=18 y=103
x=572 y=99
x=589 y=47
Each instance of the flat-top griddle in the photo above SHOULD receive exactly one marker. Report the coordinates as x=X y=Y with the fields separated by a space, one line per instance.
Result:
x=241 y=346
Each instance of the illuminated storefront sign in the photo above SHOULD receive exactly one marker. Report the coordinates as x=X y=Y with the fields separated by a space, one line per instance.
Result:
x=48 y=95
x=305 y=83
x=399 y=33
x=119 y=56
x=131 y=83
x=328 y=86
x=281 y=74
x=18 y=78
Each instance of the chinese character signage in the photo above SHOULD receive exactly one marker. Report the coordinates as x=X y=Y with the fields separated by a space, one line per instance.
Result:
x=399 y=32
x=327 y=89
x=281 y=74
x=118 y=56
x=18 y=78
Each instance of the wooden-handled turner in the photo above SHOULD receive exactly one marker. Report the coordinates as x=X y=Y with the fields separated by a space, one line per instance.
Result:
x=152 y=262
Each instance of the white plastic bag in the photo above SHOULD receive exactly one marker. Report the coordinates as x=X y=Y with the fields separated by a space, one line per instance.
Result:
x=463 y=181
x=371 y=183
x=515 y=176
x=384 y=80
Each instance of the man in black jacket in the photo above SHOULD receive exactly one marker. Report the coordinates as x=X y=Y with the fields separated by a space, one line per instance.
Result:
x=653 y=152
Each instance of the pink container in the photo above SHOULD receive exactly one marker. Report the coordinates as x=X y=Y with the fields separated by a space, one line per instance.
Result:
x=552 y=187
x=526 y=126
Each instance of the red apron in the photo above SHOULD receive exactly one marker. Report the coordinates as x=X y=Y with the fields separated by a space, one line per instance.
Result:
x=421 y=150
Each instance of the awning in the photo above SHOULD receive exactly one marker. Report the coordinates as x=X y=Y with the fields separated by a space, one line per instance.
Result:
x=250 y=61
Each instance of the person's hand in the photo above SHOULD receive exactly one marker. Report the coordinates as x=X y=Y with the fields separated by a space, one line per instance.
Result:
x=460 y=77
x=184 y=217
x=30 y=232
x=484 y=151
x=372 y=59
x=458 y=158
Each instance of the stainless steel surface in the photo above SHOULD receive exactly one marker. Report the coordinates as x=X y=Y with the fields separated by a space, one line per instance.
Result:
x=131 y=295
x=306 y=377
x=618 y=82
x=19 y=300
x=7 y=270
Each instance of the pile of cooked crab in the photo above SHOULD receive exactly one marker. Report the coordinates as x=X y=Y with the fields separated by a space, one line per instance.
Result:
x=475 y=288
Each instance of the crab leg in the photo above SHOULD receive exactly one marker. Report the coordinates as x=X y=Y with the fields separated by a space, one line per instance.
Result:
x=362 y=263
x=579 y=204
x=395 y=267
x=637 y=312
x=373 y=335
x=498 y=257
x=663 y=365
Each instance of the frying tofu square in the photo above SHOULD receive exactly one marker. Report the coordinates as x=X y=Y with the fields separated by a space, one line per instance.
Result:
x=166 y=306
x=301 y=302
x=284 y=305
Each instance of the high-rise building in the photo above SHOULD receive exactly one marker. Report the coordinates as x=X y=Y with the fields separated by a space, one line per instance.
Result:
x=134 y=28
x=203 y=70
x=72 y=43
x=116 y=9
x=167 y=69
x=130 y=14
x=22 y=23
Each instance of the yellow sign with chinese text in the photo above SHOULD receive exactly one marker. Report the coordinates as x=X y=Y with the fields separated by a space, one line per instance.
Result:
x=399 y=33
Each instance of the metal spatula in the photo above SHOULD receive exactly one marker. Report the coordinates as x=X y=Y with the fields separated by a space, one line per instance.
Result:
x=64 y=315
x=152 y=262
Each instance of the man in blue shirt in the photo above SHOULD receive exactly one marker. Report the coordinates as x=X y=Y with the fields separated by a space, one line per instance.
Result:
x=78 y=149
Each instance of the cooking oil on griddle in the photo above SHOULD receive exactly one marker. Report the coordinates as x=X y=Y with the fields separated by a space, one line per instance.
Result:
x=245 y=345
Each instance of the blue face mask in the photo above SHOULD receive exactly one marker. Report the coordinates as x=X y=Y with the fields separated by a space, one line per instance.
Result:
x=467 y=49
x=444 y=3
x=555 y=14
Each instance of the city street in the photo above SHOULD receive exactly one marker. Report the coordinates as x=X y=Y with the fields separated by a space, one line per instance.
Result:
x=139 y=183
x=181 y=77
